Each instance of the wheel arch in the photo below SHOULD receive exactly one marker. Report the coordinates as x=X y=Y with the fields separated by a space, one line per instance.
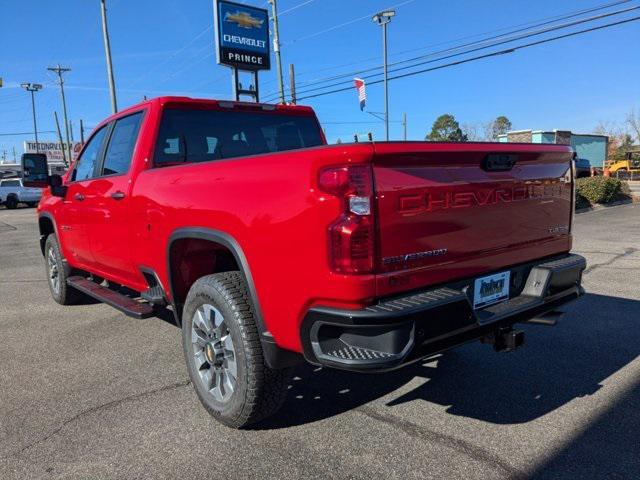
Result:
x=217 y=239
x=46 y=226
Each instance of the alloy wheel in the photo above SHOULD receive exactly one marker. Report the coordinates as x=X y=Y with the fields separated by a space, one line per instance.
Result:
x=54 y=274
x=214 y=354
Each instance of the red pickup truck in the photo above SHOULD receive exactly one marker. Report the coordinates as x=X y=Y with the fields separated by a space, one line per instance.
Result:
x=270 y=246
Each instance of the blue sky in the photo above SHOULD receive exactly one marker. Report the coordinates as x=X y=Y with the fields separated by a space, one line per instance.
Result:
x=166 y=47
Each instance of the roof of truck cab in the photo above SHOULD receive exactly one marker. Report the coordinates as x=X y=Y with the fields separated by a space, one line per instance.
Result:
x=216 y=102
x=230 y=104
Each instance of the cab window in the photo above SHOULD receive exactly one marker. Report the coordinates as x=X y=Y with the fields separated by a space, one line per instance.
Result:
x=10 y=183
x=90 y=157
x=187 y=135
x=121 y=144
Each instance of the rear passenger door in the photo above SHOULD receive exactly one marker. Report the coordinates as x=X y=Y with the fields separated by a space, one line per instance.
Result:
x=109 y=230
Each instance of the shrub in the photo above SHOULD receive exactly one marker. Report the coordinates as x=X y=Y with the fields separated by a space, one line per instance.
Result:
x=581 y=202
x=598 y=189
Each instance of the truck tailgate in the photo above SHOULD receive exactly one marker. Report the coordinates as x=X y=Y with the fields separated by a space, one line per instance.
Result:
x=447 y=211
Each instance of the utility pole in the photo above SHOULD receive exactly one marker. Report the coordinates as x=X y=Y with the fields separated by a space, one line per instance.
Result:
x=64 y=155
x=292 y=83
x=107 y=52
x=81 y=132
x=404 y=125
x=33 y=87
x=382 y=19
x=276 y=47
x=59 y=71
x=14 y=154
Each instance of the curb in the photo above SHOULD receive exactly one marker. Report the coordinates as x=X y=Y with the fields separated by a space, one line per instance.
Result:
x=597 y=207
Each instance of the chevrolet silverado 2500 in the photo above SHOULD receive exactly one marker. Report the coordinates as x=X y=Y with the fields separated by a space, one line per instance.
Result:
x=270 y=246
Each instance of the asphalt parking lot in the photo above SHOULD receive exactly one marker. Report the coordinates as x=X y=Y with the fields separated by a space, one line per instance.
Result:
x=86 y=392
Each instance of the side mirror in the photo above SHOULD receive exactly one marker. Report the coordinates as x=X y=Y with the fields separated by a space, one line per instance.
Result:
x=35 y=170
x=57 y=188
x=54 y=180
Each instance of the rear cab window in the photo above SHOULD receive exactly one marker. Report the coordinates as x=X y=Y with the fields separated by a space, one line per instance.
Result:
x=194 y=135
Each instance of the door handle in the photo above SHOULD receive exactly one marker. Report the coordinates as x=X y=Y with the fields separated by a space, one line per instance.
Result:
x=79 y=197
x=117 y=195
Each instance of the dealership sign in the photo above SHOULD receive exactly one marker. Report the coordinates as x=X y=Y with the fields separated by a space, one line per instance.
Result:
x=53 y=150
x=242 y=35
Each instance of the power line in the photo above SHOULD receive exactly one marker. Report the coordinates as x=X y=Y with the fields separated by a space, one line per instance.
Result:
x=335 y=27
x=483 y=47
x=483 y=43
x=15 y=134
x=530 y=23
x=172 y=56
x=484 y=40
x=481 y=57
x=295 y=7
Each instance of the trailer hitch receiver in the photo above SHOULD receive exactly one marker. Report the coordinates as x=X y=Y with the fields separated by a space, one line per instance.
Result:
x=504 y=339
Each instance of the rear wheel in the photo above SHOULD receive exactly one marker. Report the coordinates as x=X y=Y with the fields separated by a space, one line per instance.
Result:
x=11 y=203
x=223 y=353
x=57 y=273
x=31 y=204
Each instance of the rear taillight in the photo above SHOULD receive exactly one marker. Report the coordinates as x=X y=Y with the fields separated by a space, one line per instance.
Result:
x=572 y=177
x=351 y=236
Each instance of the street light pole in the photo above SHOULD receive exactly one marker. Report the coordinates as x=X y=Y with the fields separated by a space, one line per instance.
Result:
x=382 y=19
x=33 y=87
x=107 y=52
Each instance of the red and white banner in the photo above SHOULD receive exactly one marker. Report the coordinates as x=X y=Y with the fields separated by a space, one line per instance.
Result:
x=362 y=93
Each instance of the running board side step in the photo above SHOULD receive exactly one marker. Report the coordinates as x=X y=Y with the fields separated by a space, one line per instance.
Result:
x=125 y=304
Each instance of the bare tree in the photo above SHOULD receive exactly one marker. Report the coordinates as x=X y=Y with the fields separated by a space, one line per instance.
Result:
x=619 y=138
x=633 y=122
x=471 y=130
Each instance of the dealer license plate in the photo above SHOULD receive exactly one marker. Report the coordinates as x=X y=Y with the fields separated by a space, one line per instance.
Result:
x=491 y=289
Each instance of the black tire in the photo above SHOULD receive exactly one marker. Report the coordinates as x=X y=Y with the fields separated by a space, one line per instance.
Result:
x=259 y=391
x=11 y=203
x=63 y=294
x=32 y=204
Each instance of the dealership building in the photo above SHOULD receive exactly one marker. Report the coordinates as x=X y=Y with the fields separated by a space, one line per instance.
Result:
x=590 y=146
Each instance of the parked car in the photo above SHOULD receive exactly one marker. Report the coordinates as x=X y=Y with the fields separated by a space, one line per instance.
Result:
x=272 y=247
x=12 y=192
x=583 y=167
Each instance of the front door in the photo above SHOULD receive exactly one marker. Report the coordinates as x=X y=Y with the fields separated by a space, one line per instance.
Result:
x=73 y=215
x=109 y=226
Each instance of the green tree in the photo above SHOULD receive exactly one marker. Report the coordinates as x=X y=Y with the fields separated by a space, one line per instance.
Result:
x=620 y=146
x=500 y=126
x=446 y=129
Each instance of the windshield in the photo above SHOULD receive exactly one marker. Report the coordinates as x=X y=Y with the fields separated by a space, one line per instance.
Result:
x=203 y=135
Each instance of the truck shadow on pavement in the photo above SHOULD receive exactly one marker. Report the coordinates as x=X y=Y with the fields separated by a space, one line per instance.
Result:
x=598 y=336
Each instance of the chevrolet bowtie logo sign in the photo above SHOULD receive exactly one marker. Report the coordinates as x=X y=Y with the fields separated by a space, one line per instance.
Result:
x=242 y=35
x=243 y=19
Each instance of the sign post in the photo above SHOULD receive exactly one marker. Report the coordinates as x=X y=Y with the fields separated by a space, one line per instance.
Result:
x=242 y=42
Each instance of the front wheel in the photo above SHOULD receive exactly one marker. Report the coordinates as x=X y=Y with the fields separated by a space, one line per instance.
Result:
x=223 y=353
x=12 y=203
x=57 y=273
